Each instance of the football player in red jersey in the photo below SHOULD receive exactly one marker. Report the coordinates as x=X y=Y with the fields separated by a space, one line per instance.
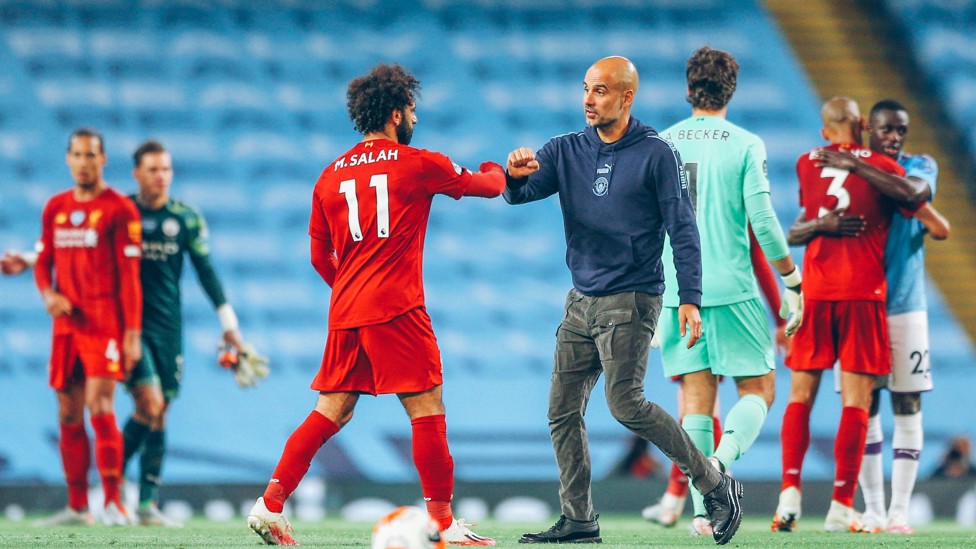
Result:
x=88 y=273
x=369 y=217
x=844 y=297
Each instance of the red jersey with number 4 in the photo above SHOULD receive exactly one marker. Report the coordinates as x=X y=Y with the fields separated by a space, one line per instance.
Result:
x=846 y=268
x=371 y=207
x=90 y=253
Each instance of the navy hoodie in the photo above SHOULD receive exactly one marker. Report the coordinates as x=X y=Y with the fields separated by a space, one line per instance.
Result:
x=617 y=201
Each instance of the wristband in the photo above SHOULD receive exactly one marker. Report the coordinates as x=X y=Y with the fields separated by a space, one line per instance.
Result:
x=30 y=258
x=792 y=279
x=227 y=317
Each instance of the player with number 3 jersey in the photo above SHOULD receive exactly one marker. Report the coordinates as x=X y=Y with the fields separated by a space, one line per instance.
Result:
x=844 y=307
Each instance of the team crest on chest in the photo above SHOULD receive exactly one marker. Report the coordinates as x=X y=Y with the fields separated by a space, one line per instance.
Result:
x=601 y=186
x=171 y=227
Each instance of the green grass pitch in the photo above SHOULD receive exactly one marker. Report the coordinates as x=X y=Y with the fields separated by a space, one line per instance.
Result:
x=618 y=531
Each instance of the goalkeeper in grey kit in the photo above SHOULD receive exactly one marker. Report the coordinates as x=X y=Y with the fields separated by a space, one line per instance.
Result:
x=171 y=230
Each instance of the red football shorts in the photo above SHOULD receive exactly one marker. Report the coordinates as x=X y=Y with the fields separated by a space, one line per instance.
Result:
x=99 y=357
x=856 y=332
x=399 y=356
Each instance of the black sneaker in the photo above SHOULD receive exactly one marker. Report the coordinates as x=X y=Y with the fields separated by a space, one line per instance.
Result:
x=725 y=509
x=567 y=530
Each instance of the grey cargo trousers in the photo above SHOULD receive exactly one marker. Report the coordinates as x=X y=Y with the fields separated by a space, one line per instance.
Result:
x=610 y=335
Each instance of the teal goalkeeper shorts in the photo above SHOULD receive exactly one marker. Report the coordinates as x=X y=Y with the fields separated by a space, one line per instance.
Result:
x=735 y=342
x=161 y=364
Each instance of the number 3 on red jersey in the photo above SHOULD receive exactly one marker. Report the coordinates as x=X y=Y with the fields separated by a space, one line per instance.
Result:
x=378 y=182
x=836 y=189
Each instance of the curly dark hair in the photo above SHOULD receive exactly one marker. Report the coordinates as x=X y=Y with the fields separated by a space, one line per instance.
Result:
x=371 y=98
x=711 y=78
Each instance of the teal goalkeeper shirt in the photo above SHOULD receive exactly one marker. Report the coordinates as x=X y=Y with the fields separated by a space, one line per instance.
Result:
x=726 y=168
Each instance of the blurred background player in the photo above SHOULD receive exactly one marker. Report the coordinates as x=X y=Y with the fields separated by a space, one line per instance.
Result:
x=369 y=218
x=88 y=274
x=844 y=315
x=615 y=231
x=170 y=230
x=726 y=171
x=668 y=510
x=907 y=324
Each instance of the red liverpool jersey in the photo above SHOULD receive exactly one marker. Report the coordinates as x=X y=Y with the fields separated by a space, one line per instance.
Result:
x=846 y=268
x=371 y=207
x=92 y=249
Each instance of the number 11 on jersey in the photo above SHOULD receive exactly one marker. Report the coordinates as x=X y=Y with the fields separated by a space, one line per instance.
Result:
x=378 y=182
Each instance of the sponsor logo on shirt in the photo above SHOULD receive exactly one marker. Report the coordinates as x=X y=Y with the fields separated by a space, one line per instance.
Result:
x=605 y=169
x=68 y=237
x=159 y=251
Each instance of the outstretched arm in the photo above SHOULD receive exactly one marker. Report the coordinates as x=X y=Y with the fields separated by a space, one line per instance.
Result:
x=488 y=182
x=903 y=189
x=14 y=262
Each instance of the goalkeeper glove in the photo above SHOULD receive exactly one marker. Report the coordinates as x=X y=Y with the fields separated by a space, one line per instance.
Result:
x=248 y=365
x=791 y=307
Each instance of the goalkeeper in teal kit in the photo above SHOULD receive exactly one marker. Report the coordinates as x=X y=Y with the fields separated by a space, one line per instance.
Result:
x=726 y=171
x=171 y=231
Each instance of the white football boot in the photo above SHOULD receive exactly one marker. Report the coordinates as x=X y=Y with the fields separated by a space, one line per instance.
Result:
x=67 y=517
x=788 y=510
x=273 y=528
x=458 y=533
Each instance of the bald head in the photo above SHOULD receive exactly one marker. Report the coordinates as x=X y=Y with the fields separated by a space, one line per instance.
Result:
x=842 y=121
x=839 y=111
x=617 y=72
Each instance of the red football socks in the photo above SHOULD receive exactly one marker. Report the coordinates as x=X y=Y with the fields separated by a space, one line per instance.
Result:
x=108 y=455
x=717 y=429
x=76 y=457
x=848 y=451
x=795 y=439
x=297 y=457
x=435 y=466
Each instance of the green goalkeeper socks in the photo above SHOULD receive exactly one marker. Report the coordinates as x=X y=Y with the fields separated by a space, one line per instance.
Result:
x=699 y=429
x=133 y=435
x=742 y=427
x=151 y=466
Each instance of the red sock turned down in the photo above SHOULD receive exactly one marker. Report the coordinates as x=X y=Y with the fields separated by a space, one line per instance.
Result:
x=108 y=455
x=716 y=430
x=297 y=457
x=76 y=457
x=435 y=466
x=795 y=439
x=848 y=451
